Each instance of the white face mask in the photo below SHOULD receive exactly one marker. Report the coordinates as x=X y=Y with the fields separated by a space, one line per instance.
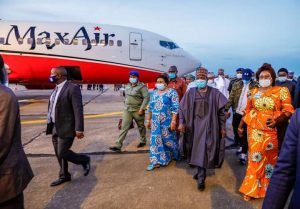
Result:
x=210 y=81
x=239 y=75
x=265 y=82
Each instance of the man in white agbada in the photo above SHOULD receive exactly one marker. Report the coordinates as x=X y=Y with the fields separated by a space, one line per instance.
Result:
x=222 y=83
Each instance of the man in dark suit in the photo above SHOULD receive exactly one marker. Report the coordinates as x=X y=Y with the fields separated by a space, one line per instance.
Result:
x=286 y=174
x=15 y=171
x=296 y=101
x=65 y=122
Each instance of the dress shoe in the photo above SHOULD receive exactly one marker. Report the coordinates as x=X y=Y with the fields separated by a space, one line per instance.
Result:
x=115 y=149
x=195 y=176
x=87 y=167
x=59 y=181
x=141 y=144
x=201 y=186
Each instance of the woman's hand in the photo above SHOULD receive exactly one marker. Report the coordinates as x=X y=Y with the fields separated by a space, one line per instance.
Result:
x=271 y=123
x=173 y=126
x=182 y=128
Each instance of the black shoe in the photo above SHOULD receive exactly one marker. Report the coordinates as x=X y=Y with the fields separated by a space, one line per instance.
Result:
x=87 y=167
x=60 y=181
x=195 y=176
x=141 y=144
x=115 y=149
x=201 y=186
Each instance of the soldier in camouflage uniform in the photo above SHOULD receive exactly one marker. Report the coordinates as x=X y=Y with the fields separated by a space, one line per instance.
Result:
x=136 y=101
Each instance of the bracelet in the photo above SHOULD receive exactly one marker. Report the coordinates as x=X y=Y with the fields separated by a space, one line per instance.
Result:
x=147 y=121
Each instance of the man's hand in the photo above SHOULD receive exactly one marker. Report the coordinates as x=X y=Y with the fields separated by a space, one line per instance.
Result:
x=271 y=123
x=223 y=134
x=182 y=128
x=141 y=112
x=79 y=134
x=240 y=132
x=148 y=124
x=227 y=115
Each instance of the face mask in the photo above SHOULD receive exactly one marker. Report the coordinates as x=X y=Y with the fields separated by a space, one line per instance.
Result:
x=201 y=83
x=265 y=82
x=53 y=78
x=172 y=75
x=160 y=86
x=239 y=75
x=210 y=82
x=133 y=80
x=282 y=79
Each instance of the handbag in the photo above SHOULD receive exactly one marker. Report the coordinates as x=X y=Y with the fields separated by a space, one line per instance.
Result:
x=120 y=124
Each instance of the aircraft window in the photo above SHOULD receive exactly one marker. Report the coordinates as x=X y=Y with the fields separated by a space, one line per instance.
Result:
x=93 y=42
x=102 y=42
x=48 y=41
x=75 y=41
x=111 y=42
x=29 y=41
x=66 y=41
x=20 y=40
x=119 y=43
x=168 y=44
x=84 y=42
x=57 y=41
x=2 y=40
x=39 y=41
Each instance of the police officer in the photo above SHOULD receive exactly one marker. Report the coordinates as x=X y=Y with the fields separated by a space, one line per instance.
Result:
x=136 y=101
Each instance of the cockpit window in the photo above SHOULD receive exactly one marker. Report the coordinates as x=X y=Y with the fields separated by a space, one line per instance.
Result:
x=168 y=44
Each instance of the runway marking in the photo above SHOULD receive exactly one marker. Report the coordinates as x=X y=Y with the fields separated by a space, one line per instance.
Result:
x=39 y=155
x=29 y=122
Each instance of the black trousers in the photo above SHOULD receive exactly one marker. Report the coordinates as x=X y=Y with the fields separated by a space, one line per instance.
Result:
x=201 y=174
x=64 y=154
x=241 y=141
x=15 y=203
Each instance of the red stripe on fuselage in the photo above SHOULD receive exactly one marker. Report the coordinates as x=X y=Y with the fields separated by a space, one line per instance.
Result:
x=36 y=70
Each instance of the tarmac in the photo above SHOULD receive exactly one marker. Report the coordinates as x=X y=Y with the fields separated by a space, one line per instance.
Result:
x=117 y=180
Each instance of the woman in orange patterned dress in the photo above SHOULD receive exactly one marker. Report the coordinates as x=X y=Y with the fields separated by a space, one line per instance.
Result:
x=266 y=105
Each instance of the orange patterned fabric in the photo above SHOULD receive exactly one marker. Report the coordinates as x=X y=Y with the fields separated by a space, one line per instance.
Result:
x=262 y=140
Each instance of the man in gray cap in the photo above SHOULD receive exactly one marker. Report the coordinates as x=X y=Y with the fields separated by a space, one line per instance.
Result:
x=136 y=101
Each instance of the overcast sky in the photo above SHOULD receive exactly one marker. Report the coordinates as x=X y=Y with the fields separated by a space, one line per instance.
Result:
x=220 y=33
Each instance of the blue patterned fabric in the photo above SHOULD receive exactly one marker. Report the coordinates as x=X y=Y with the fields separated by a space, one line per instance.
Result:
x=163 y=142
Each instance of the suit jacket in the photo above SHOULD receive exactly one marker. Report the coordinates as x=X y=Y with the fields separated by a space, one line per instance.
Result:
x=68 y=112
x=286 y=174
x=296 y=101
x=15 y=171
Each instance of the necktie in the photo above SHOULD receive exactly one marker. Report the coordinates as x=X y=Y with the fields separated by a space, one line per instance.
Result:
x=52 y=99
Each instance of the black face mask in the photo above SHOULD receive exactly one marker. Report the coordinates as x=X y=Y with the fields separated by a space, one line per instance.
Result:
x=53 y=78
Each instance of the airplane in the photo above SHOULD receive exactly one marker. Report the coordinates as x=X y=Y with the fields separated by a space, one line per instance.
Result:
x=91 y=53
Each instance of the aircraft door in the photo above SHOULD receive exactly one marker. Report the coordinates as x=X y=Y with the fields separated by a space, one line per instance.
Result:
x=135 y=46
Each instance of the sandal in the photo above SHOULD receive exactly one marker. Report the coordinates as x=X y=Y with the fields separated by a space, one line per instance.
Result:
x=247 y=198
x=151 y=167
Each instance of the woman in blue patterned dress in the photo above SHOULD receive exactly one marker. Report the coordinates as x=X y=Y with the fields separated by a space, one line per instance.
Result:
x=163 y=111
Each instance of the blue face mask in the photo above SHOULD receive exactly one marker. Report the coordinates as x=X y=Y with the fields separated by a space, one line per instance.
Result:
x=53 y=79
x=133 y=80
x=282 y=79
x=172 y=75
x=201 y=83
x=160 y=86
